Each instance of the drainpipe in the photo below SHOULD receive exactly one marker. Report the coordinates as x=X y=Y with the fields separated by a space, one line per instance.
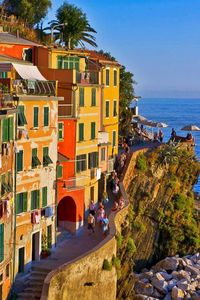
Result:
x=15 y=190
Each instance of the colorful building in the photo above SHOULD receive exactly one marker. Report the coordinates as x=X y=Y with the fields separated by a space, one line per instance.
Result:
x=7 y=163
x=36 y=159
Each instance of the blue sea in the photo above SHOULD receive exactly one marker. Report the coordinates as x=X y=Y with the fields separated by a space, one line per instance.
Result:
x=176 y=113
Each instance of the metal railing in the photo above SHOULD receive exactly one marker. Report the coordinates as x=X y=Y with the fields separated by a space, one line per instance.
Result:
x=87 y=77
x=34 y=87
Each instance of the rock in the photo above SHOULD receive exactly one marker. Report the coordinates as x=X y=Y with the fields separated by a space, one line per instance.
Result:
x=169 y=264
x=195 y=296
x=160 y=285
x=143 y=297
x=192 y=270
x=171 y=284
x=166 y=276
x=184 y=275
x=175 y=275
x=143 y=288
x=195 y=258
x=187 y=261
x=193 y=285
x=146 y=275
x=159 y=276
x=168 y=297
x=157 y=295
x=177 y=294
x=183 y=285
x=182 y=263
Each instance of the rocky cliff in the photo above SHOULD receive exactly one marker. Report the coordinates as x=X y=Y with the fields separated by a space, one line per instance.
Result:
x=162 y=220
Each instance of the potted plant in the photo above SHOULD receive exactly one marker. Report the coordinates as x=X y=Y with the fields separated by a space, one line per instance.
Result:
x=45 y=250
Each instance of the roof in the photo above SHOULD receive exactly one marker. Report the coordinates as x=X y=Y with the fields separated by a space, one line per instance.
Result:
x=7 y=38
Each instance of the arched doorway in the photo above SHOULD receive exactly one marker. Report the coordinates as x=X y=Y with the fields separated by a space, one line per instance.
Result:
x=67 y=212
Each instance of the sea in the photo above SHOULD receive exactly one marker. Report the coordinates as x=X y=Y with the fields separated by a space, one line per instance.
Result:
x=176 y=113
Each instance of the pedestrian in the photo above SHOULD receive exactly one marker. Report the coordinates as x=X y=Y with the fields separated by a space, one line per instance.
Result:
x=173 y=133
x=160 y=136
x=91 y=222
x=92 y=208
x=105 y=225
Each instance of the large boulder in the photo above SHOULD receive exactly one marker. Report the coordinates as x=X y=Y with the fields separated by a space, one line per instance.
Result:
x=182 y=274
x=177 y=294
x=169 y=264
x=143 y=288
x=166 y=276
x=183 y=284
x=160 y=285
x=193 y=270
x=171 y=284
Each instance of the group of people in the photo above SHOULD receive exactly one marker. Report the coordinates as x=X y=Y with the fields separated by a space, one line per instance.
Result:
x=118 y=204
x=98 y=215
x=158 y=136
x=114 y=183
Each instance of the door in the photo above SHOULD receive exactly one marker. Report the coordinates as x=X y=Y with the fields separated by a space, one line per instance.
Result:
x=21 y=260
x=49 y=236
x=36 y=246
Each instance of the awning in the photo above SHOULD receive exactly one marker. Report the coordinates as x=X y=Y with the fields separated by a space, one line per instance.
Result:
x=28 y=72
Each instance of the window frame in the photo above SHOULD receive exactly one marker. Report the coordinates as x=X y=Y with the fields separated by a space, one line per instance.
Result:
x=37 y=120
x=22 y=161
x=114 y=108
x=107 y=115
x=81 y=129
x=46 y=121
x=107 y=76
x=93 y=131
x=115 y=78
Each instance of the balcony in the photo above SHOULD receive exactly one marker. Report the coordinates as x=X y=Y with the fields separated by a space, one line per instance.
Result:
x=103 y=137
x=87 y=77
x=33 y=87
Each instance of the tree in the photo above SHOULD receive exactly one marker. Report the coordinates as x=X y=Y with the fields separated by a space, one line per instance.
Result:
x=77 y=29
x=30 y=11
x=126 y=95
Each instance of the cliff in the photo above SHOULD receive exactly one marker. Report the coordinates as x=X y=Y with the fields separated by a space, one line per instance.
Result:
x=162 y=220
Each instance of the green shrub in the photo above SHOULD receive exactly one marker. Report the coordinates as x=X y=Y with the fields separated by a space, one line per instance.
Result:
x=116 y=262
x=107 y=266
x=119 y=239
x=141 y=163
x=131 y=248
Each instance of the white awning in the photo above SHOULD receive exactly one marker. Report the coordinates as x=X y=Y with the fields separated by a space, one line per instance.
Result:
x=28 y=72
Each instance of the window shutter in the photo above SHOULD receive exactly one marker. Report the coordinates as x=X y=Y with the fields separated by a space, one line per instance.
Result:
x=1 y=242
x=11 y=128
x=60 y=131
x=46 y=116
x=25 y=201
x=81 y=96
x=81 y=132
x=38 y=198
x=107 y=109
x=44 y=196
x=32 y=200
x=107 y=77
x=20 y=160
x=93 y=127
x=17 y=204
x=5 y=130
x=93 y=97
x=115 y=77
x=59 y=171
x=114 y=139
x=35 y=117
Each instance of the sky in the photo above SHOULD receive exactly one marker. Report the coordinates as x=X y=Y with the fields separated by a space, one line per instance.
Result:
x=157 y=40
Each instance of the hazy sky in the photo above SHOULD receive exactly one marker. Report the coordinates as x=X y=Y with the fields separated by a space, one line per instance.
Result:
x=157 y=40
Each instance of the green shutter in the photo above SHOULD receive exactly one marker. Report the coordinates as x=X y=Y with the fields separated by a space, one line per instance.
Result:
x=38 y=198
x=35 y=116
x=93 y=127
x=45 y=151
x=59 y=171
x=114 y=108
x=59 y=61
x=46 y=116
x=93 y=97
x=17 y=203
x=115 y=78
x=44 y=196
x=11 y=128
x=60 y=131
x=81 y=97
x=25 y=201
x=81 y=132
x=107 y=109
x=20 y=161
x=114 y=139
x=5 y=130
x=107 y=77
x=21 y=116
x=1 y=242
x=32 y=202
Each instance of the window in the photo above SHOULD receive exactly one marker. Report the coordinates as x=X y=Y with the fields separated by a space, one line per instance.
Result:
x=115 y=77
x=3 y=74
x=60 y=131
x=46 y=116
x=44 y=196
x=93 y=97
x=7 y=129
x=1 y=242
x=81 y=132
x=81 y=97
x=114 y=139
x=21 y=203
x=92 y=160
x=20 y=161
x=59 y=171
x=35 y=160
x=70 y=62
x=107 y=76
x=21 y=116
x=46 y=159
x=81 y=163
x=35 y=116
x=114 y=108
x=93 y=127
x=35 y=199
x=107 y=109
x=103 y=154
x=5 y=187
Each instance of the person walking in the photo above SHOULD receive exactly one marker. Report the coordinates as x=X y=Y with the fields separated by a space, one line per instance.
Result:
x=91 y=222
x=160 y=136
x=105 y=225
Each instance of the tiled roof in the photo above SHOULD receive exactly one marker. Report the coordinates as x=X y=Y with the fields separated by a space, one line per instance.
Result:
x=7 y=38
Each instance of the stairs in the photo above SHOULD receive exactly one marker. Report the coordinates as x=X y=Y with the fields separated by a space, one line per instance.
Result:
x=34 y=284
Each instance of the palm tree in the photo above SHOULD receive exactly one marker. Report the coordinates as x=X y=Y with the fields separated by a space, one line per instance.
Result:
x=77 y=29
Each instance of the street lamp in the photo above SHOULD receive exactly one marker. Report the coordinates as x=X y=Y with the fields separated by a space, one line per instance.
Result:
x=52 y=29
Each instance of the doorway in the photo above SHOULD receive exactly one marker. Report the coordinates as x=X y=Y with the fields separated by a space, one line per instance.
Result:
x=36 y=246
x=21 y=260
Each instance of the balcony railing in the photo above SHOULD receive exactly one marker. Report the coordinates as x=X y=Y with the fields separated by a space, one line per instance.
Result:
x=103 y=137
x=34 y=87
x=87 y=77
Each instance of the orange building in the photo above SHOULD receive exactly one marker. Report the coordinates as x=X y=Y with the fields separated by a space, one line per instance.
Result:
x=7 y=163
x=36 y=158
